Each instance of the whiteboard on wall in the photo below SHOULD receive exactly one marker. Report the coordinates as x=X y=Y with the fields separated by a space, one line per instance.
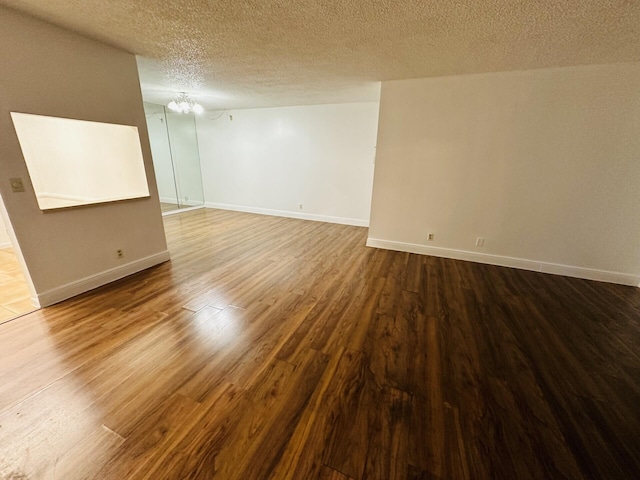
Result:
x=77 y=162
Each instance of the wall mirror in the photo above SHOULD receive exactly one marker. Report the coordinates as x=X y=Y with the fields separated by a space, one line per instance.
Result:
x=77 y=162
x=176 y=160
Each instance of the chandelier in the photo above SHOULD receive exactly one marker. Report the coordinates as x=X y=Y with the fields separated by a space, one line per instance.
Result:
x=185 y=104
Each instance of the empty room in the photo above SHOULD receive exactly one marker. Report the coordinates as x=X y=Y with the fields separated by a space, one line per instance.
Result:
x=320 y=240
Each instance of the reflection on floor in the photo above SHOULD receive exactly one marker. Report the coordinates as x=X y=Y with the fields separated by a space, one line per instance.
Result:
x=14 y=292
x=167 y=207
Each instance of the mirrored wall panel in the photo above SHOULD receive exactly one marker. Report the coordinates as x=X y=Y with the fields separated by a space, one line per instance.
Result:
x=174 y=147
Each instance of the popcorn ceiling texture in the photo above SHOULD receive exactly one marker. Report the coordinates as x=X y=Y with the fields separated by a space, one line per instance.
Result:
x=238 y=53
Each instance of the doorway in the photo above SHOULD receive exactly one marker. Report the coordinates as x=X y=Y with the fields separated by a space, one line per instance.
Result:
x=15 y=291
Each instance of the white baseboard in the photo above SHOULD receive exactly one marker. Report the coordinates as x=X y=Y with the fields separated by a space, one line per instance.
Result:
x=83 y=285
x=524 y=264
x=181 y=210
x=284 y=213
x=193 y=203
x=174 y=201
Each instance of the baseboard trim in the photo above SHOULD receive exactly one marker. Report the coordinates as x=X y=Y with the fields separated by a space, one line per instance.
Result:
x=173 y=201
x=83 y=285
x=502 y=261
x=285 y=213
x=181 y=210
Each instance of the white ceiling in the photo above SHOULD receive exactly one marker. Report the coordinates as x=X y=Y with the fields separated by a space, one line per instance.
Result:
x=240 y=53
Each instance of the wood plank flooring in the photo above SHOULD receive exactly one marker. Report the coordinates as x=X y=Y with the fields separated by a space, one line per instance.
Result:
x=15 y=298
x=273 y=348
x=168 y=207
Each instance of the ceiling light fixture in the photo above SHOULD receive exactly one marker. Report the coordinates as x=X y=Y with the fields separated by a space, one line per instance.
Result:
x=185 y=104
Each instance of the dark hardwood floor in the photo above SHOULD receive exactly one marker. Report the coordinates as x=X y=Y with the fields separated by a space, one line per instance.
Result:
x=278 y=348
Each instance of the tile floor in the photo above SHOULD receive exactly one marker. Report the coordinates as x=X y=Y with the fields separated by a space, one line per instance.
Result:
x=14 y=292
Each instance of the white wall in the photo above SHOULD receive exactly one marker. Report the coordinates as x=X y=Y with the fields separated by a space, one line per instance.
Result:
x=544 y=164
x=50 y=71
x=271 y=160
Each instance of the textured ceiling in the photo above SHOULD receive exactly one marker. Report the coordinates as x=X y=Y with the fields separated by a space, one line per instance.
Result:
x=239 y=53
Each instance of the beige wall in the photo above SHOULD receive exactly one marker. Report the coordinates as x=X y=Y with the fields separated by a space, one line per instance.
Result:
x=50 y=71
x=544 y=164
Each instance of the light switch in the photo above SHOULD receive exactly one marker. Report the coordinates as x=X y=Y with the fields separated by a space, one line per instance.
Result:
x=16 y=185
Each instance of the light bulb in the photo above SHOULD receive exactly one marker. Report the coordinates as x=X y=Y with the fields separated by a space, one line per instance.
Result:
x=197 y=109
x=173 y=106
x=184 y=106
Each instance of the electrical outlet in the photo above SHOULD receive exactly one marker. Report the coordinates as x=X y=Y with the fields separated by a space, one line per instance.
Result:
x=120 y=253
x=479 y=242
x=430 y=237
x=300 y=206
